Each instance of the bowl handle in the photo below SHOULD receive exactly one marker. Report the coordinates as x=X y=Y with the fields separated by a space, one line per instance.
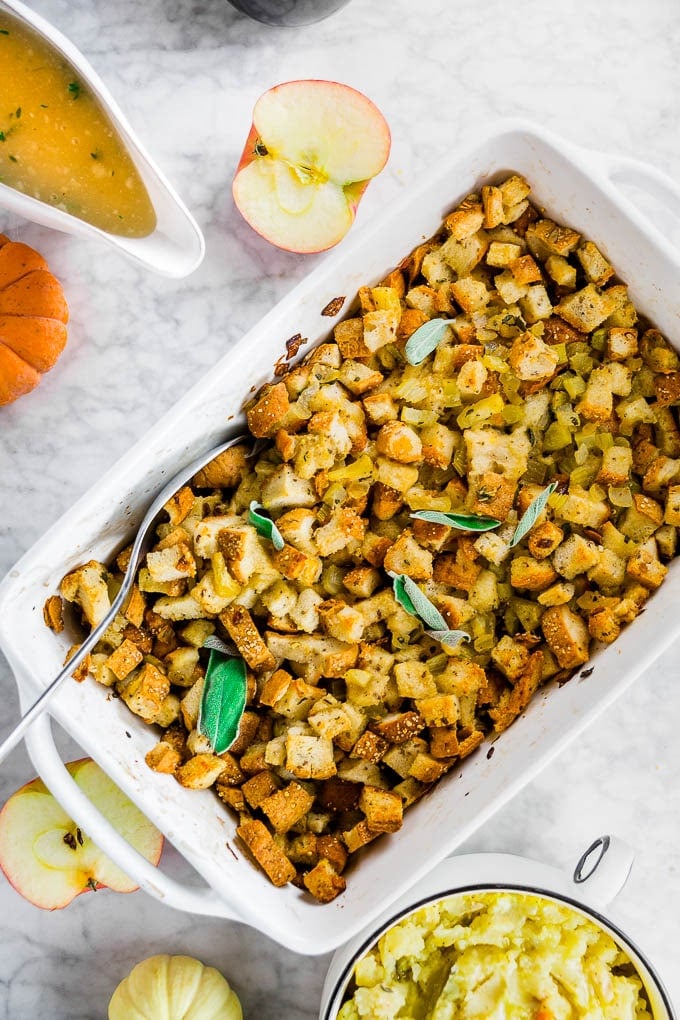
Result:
x=51 y=769
x=656 y=196
x=603 y=869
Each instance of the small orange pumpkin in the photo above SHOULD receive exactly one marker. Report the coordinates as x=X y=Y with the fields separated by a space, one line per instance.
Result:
x=33 y=317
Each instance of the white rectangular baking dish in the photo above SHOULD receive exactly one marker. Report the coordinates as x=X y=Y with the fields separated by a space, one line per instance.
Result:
x=576 y=187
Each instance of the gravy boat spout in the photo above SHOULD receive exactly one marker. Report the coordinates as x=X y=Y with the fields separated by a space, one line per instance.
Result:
x=175 y=247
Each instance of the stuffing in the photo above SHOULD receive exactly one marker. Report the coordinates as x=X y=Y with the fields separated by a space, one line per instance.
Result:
x=355 y=703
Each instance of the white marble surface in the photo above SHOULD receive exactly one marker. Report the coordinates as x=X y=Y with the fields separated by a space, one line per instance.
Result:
x=187 y=72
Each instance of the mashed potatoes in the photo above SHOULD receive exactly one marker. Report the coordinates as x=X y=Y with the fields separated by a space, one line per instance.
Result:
x=496 y=956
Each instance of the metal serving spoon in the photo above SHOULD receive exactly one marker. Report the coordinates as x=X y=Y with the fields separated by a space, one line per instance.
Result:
x=141 y=545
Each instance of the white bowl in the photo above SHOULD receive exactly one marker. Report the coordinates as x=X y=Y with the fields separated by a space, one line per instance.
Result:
x=576 y=187
x=597 y=878
x=176 y=247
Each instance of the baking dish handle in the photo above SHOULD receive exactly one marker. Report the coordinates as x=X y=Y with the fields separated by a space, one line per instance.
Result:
x=657 y=198
x=603 y=870
x=51 y=769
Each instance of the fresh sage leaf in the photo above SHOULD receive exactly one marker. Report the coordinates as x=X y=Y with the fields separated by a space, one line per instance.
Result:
x=410 y=597
x=532 y=513
x=218 y=645
x=424 y=340
x=463 y=522
x=449 y=637
x=265 y=526
x=223 y=700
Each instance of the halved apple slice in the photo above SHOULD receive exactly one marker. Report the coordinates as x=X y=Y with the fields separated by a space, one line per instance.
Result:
x=49 y=860
x=312 y=149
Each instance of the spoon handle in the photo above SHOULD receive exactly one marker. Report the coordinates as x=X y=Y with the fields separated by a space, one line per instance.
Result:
x=139 y=549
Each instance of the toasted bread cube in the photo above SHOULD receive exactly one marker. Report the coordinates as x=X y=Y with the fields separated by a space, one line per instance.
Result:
x=345 y=529
x=471 y=379
x=641 y=520
x=124 y=659
x=266 y=852
x=365 y=687
x=341 y=620
x=245 y=635
x=191 y=703
x=579 y=508
x=87 y=587
x=510 y=657
x=414 y=679
x=401 y=477
x=545 y=237
x=323 y=882
x=358 y=836
x=370 y=747
x=384 y=810
x=349 y=336
x=534 y=575
x=544 y=539
x=398 y=727
x=163 y=757
x=622 y=343
x=259 y=787
x=561 y=271
x=284 y=488
x=524 y=270
x=332 y=849
x=232 y=797
x=470 y=294
x=266 y=415
x=225 y=471
x=380 y=408
x=502 y=254
x=535 y=304
x=462 y=256
x=557 y=595
x=179 y=505
x=513 y=702
x=492 y=202
x=585 y=309
x=362 y=581
x=439 y=710
x=508 y=288
x=53 y=614
x=595 y=265
x=531 y=359
x=427 y=769
x=672 y=510
x=274 y=687
x=575 y=555
x=644 y=567
x=567 y=636
x=386 y=501
x=399 y=442
x=406 y=556
x=617 y=462
x=466 y=219
x=200 y=772
x=145 y=691
x=309 y=757
x=285 y=807
x=604 y=626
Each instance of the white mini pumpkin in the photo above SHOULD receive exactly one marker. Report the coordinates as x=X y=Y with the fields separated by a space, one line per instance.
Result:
x=174 y=988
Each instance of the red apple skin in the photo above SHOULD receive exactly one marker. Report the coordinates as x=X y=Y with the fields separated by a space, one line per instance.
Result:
x=38 y=783
x=354 y=191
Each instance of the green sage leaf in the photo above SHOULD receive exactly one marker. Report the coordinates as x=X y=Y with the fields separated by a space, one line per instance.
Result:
x=463 y=522
x=532 y=513
x=223 y=700
x=449 y=637
x=265 y=526
x=410 y=597
x=424 y=340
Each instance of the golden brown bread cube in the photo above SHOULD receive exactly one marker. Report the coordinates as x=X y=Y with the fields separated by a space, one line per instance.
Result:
x=271 y=858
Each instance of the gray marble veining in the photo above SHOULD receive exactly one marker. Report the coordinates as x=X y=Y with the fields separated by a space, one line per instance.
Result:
x=187 y=73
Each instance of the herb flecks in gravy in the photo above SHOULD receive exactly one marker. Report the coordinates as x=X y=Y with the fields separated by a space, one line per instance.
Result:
x=57 y=143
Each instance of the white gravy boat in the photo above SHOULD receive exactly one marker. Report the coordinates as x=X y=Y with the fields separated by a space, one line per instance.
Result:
x=176 y=247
